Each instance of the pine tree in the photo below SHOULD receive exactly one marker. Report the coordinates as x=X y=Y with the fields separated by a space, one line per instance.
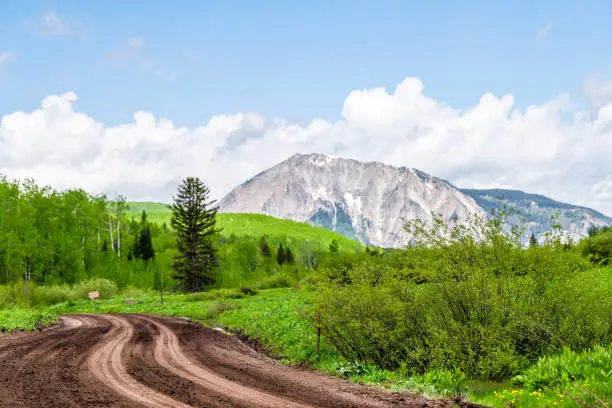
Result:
x=280 y=255
x=136 y=248
x=289 y=259
x=145 y=242
x=264 y=247
x=333 y=246
x=194 y=220
x=533 y=241
x=146 y=245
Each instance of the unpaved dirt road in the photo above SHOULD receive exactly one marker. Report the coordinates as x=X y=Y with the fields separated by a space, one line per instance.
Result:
x=161 y=362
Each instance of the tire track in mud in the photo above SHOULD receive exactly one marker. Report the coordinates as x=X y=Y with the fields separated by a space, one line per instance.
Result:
x=129 y=361
x=108 y=366
x=168 y=353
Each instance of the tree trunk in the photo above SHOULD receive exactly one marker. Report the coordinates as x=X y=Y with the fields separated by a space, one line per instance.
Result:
x=118 y=235
x=110 y=229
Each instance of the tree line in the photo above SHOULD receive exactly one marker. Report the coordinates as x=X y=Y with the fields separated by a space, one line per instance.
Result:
x=49 y=237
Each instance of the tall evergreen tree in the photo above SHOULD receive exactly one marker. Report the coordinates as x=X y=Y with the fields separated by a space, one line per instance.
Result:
x=264 y=247
x=280 y=254
x=532 y=240
x=334 y=247
x=145 y=242
x=289 y=258
x=194 y=220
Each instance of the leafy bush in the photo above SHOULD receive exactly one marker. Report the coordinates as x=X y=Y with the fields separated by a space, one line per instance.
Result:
x=221 y=306
x=465 y=297
x=248 y=291
x=598 y=248
x=560 y=371
x=50 y=295
x=30 y=295
x=445 y=382
x=132 y=292
x=106 y=288
x=276 y=281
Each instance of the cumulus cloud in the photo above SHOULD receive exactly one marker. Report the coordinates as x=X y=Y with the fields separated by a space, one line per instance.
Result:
x=548 y=148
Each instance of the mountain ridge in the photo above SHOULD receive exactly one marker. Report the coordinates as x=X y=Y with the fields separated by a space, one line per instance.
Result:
x=366 y=201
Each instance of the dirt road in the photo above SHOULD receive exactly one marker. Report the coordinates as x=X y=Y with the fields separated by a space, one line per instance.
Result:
x=160 y=362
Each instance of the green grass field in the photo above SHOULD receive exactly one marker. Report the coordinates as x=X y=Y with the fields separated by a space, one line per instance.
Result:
x=256 y=225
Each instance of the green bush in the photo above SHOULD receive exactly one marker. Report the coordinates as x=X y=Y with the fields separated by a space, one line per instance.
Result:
x=598 y=248
x=445 y=382
x=220 y=307
x=106 y=288
x=561 y=371
x=30 y=295
x=50 y=295
x=281 y=280
x=485 y=306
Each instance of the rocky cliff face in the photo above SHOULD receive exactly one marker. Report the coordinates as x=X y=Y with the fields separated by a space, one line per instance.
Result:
x=365 y=201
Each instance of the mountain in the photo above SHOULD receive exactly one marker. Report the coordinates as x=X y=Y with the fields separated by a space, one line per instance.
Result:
x=367 y=201
x=537 y=211
x=363 y=201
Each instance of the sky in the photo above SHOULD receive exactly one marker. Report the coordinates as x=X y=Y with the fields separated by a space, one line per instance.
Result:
x=133 y=97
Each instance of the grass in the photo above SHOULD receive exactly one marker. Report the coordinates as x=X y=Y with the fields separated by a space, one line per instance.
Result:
x=281 y=320
x=257 y=225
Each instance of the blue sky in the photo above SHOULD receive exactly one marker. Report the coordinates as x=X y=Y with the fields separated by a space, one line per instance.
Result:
x=297 y=60
x=517 y=94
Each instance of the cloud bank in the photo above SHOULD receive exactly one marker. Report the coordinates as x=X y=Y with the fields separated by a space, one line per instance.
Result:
x=550 y=148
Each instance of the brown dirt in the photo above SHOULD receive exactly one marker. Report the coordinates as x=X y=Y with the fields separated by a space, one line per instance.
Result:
x=160 y=362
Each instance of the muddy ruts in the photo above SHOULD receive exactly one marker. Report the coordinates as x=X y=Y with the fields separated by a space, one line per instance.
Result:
x=160 y=362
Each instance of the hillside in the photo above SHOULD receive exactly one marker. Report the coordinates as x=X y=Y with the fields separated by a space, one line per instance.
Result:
x=256 y=225
x=538 y=210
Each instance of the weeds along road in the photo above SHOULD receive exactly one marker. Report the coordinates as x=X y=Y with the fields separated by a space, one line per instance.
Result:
x=161 y=362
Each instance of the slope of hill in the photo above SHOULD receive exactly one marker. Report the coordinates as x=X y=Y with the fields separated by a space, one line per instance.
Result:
x=364 y=201
x=257 y=225
x=537 y=210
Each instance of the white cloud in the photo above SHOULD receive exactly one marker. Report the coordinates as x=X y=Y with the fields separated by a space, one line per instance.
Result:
x=5 y=56
x=598 y=91
x=51 y=25
x=545 y=31
x=546 y=148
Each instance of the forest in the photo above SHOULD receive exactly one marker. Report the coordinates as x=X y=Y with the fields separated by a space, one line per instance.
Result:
x=60 y=239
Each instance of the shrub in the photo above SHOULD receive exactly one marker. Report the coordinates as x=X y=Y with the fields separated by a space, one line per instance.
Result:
x=50 y=295
x=105 y=287
x=221 y=306
x=132 y=292
x=598 y=248
x=276 y=281
x=469 y=298
x=445 y=382
x=248 y=291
